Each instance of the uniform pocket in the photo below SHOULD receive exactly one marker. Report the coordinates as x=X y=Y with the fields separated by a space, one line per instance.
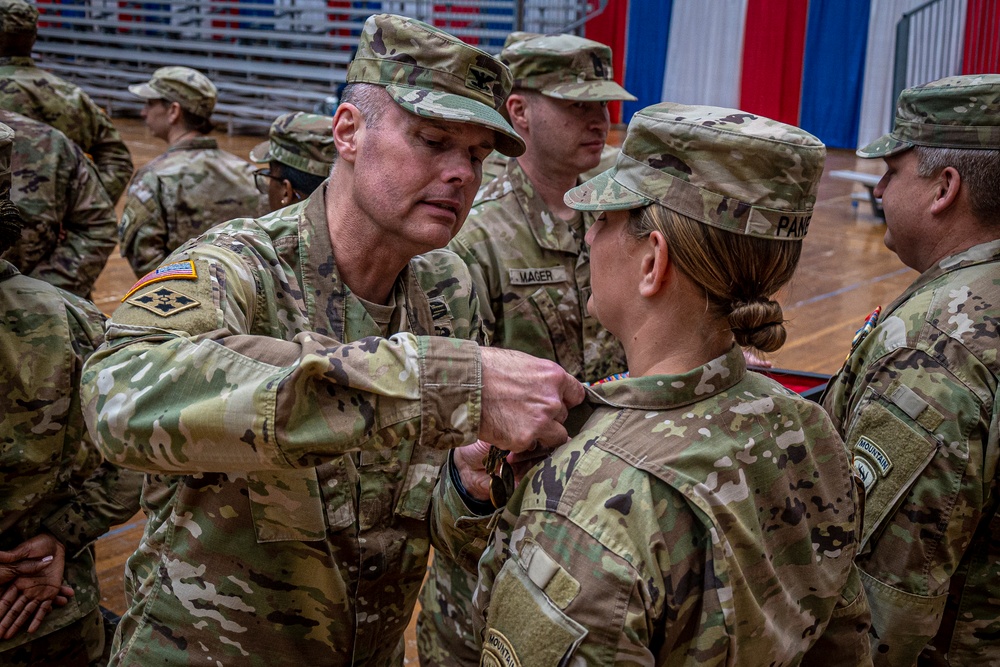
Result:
x=525 y=626
x=286 y=505
x=890 y=452
x=539 y=319
x=422 y=475
x=905 y=622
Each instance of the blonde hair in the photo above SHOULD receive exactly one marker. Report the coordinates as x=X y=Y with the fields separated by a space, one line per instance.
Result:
x=738 y=273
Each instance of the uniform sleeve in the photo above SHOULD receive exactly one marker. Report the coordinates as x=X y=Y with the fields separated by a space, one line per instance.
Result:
x=142 y=233
x=924 y=442
x=108 y=495
x=844 y=642
x=182 y=386
x=109 y=152
x=87 y=232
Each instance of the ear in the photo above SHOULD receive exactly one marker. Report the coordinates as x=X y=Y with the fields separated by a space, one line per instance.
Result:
x=288 y=193
x=517 y=109
x=348 y=128
x=654 y=266
x=948 y=184
x=174 y=113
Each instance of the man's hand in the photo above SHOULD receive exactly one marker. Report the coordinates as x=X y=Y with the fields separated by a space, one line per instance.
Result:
x=525 y=400
x=469 y=462
x=38 y=565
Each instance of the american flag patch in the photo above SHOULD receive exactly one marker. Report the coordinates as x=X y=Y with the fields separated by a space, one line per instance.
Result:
x=176 y=271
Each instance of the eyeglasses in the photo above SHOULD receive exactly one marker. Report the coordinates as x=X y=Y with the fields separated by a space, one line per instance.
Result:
x=261 y=179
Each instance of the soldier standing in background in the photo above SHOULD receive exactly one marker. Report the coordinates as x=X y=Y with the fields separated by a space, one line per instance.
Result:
x=192 y=187
x=704 y=515
x=917 y=400
x=293 y=384
x=33 y=92
x=69 y=221
x=299 y=153
x=56 y=495
x=525 y=251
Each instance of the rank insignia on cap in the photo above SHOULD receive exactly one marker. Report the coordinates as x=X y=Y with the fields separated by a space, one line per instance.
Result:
x=164 y=302
x=176 y=271
x=479 y=79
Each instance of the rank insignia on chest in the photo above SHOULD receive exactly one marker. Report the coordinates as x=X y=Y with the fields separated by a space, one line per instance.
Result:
x=164 y=302
x=176 y=271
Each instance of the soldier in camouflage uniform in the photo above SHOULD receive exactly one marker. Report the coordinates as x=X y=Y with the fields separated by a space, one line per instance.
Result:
x=704 y=515
x=525 y=250
x=291 y=449
x=917 y=399
x=192 y=187
x=38 y=94
x=56 y=495
x=70 y=222
x=299 y=153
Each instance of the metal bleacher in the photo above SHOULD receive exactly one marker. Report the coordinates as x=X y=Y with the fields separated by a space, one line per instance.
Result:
x=265 y=56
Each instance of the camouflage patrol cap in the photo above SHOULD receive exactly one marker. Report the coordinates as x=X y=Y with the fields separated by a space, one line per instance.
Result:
x=188 y=87
x=6 y=149
x=954 y=112
x=433 y=74
x=303 y=141
x=17 y=16
x=563 y=66
x=722 y=167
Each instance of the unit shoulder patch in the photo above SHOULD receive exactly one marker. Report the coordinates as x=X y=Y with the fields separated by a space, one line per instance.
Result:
x=164 y=302
x=498 y=651
x=175 y=271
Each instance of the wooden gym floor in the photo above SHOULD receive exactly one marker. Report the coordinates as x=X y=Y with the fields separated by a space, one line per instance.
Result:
x=845 y=271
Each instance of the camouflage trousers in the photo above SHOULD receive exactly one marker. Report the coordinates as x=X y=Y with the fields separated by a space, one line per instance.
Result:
x=445 y=636
x=80 y=644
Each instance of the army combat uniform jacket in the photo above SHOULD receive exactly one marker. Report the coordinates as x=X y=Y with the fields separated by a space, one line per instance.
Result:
x=699 y=519
x=36 y=93
x=534 y=271
x=181 y=194
x=291 y=457
x=917 y=403
x=51 y=474
x=69 y=221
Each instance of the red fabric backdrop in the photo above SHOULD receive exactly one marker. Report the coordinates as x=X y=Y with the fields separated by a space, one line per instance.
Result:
x=774 y=42
x=981 y=54
x=609 y=28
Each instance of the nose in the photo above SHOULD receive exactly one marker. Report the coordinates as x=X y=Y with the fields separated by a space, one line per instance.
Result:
x=457 y=168
x=880 y=186
x=589 y=236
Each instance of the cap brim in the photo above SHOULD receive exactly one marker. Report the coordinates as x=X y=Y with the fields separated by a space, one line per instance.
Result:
x=604 y=193
x=884 y=146
x=261 y=152
x=459 y=109
x=144 y=91
x=589 y=91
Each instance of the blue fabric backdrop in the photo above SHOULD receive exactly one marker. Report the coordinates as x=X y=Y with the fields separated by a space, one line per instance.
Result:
x=648 y=29
x=834 y=70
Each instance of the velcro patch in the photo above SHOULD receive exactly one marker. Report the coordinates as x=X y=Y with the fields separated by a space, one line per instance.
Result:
x=164 y=302
x=498 y=651
x=176 y=271
x=542 y=276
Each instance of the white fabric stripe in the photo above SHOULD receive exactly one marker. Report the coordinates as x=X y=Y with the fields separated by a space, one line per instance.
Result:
x=705 y=52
